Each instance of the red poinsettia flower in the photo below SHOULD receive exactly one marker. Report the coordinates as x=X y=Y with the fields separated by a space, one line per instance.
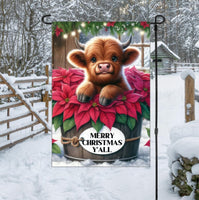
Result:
x=110 y=24
x=70 y=77
x=148 y=143
x=139 y=81
x=58 y=31
x=136 y=74
x=144 y=24
x=128 y=104
x=146 y=91
x=93 y=110
x=53 y=140
x=62 y=105
x=86 y=111
x=77 y=76
x=92 y=107
x=134 y=78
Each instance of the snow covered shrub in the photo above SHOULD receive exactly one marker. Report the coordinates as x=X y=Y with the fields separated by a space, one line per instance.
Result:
x=183 y=180
x=184 y=159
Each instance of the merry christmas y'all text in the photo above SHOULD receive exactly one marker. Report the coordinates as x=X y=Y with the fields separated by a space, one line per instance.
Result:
x=101 y=142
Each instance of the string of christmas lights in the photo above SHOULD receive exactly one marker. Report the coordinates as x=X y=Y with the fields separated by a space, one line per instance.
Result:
x=118 y=28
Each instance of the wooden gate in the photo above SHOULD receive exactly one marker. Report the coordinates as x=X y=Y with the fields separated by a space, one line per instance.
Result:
x=20 y=118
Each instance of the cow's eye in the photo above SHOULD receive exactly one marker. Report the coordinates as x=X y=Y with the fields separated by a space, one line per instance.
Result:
x=93 y=59
x=114 y=58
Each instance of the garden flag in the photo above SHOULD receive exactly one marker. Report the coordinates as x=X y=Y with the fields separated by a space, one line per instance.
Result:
x=100 y=93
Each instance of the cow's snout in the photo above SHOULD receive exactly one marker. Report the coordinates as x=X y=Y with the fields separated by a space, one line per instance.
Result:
x=104 y=67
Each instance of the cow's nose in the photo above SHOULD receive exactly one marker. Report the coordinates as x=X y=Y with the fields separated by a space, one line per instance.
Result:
x=104 y=67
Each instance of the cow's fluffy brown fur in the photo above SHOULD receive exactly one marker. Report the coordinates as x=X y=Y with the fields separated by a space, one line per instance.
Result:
x=110 y=84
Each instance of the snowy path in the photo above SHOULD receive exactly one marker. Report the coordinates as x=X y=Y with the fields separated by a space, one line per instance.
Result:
x=26 y=172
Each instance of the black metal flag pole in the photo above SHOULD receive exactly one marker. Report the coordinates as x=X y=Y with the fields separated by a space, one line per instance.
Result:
x=156 y=98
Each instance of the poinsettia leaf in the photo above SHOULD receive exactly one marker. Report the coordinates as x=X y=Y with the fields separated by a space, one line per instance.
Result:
x=131 y=122
x=108 y=119
x=148 y=131
x=98 y=125
x=68 y=113
x=53 y=140
x=131 y=109
x=81 y=119
x=58 y=121
x=121 y=118
x=57 y=95
x=133 y=97
x=57 y=109
x=56 y=149
x=68 y=124
x=138 y=107
x=148 y=143
x=77 y=78
x=84 y=107
x=145 y=111
x=94 y=113
x=121 y=109
x=107 y=109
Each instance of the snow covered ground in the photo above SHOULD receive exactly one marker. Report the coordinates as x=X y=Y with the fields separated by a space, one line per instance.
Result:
x=26 y=171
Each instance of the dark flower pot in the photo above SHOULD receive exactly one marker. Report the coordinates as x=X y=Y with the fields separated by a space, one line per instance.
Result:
x=127 y=152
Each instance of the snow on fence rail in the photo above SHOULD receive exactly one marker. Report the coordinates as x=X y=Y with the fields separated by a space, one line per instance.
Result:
x=23 y=108
x=179 y=67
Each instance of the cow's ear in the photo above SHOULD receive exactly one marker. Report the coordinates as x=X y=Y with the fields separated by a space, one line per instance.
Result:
x=77 y=58
x=130 y=55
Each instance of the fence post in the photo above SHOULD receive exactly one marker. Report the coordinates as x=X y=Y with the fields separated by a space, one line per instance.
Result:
x=46 y=94
x=8 y=112
x=189 y=98
x=32 y=117
x=175 y=67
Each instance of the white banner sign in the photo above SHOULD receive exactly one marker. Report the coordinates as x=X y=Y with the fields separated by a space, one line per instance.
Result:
x=105 y=142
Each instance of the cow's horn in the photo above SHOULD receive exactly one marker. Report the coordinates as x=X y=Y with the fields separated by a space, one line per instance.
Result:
x=127 y=43
x=79 y=44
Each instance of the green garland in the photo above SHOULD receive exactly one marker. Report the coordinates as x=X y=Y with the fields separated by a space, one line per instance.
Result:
x=94 y=28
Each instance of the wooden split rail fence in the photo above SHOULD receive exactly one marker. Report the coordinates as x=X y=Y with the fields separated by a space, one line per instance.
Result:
x=18 y=103
x=179 y=67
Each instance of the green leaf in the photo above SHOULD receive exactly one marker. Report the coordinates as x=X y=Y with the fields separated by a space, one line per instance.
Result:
x=53 y=104
x=148 y=131
x=58 y=121
x=145 y=111
x=68 y=124
x=98 y=125
x=121 y=118
x=56 y=149
x=131 y=122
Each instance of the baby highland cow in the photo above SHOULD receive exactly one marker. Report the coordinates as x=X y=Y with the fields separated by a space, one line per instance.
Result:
x=102 y=58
